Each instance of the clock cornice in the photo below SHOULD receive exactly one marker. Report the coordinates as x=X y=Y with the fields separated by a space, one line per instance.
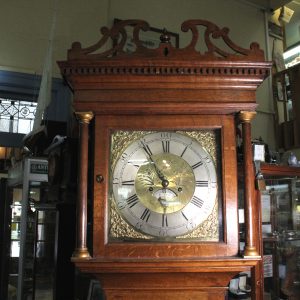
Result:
x=124 y=82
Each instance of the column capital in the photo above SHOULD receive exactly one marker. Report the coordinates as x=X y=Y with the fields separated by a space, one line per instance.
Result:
x=246 y=116
x=84 y=116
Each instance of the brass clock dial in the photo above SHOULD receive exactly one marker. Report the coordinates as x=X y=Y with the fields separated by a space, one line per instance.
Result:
x=164 y=184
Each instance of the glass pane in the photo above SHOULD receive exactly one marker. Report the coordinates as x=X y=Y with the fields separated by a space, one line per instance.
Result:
x=44 y=261
x=16 y=195
x=4 y=125
x=282 y=240
x=32 y=269
x=16 y=116
x=25 y=126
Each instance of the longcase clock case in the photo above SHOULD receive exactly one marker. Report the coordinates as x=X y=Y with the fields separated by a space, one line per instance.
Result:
x=165 y=216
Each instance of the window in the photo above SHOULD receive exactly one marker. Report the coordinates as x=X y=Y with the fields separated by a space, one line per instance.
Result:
x=18 y=104
x=16 y=116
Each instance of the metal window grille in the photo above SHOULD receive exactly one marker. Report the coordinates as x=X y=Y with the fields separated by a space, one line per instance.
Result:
x=16 y=116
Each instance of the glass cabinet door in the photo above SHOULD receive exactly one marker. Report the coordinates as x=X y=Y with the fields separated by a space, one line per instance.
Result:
x=21 y=245
x=15 y=227
x=44 y=250
x=27 y=183
x=281 y=237
x=38 y=246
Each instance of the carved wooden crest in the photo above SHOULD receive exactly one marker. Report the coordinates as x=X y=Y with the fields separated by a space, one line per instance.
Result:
x=183 y=73
x=117 y=35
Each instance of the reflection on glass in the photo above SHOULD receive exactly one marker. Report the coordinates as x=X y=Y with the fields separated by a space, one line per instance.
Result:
x=37 y=258
x=44 y=254
x=16 y=210
x=282 y=242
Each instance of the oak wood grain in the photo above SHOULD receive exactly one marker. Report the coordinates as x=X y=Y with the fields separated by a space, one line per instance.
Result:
x=167 y=88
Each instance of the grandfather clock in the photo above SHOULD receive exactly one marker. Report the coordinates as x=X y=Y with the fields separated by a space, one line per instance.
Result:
x=165 y=215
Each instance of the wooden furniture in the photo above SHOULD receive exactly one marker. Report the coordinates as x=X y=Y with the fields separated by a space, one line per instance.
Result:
x=38 y=224
x=286 y=91
x=143 y=106
x=282 y=241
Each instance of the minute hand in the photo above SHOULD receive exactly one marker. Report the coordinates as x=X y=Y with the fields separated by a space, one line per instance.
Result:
x=149 y=155
x=157 y=170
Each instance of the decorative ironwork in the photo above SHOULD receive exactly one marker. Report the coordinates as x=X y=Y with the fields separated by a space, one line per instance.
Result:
x=16 y=115
x=117 y=35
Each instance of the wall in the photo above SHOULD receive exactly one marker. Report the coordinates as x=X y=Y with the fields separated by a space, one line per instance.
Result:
x=292 y=28
x=25 y=27
x=293 y=33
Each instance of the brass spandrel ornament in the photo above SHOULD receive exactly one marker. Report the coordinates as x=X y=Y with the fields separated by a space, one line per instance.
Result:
x=207 y=139
x=208 y=231
x=120 y=140
x=119 y=228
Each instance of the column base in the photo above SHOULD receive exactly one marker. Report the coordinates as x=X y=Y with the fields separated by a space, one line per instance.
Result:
x=251 y=252
x=82 y=253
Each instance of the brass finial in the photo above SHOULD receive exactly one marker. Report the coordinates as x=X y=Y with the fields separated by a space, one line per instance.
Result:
x=165 y=37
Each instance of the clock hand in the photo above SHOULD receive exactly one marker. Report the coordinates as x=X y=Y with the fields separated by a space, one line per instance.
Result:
x=149 y=156
x=160 y=175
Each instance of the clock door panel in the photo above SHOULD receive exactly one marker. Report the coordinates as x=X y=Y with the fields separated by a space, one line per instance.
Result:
x=122 y=237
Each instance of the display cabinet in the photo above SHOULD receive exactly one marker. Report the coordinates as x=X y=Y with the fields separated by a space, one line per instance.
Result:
x=30 y=223
x=281 y=231
x=39 y=231
x=286 y=91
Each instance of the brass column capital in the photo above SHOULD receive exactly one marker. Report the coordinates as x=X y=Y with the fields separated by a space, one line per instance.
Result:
x=246 y=116
x=84 y=116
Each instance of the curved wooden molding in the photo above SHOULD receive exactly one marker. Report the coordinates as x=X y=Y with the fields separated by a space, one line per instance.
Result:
x=214 y=81
x=117 y=36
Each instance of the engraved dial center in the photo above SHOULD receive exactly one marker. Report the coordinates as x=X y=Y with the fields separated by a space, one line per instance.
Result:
x=165 y=184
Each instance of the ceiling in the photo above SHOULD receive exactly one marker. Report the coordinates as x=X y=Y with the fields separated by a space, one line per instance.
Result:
x=271 y=5
x=267 y=4
x=295 y=6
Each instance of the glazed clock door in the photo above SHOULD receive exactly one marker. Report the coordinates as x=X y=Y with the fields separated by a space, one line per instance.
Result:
x=164 y=184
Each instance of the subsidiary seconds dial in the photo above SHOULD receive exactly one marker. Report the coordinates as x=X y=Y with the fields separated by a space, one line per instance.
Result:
x=165 y=184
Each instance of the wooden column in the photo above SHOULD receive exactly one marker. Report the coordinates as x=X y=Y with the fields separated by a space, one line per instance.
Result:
x=81 y=250
x=251 y=207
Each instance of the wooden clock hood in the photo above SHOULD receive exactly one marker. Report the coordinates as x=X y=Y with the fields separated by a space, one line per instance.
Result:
x=211 y=81
x=166 y=88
